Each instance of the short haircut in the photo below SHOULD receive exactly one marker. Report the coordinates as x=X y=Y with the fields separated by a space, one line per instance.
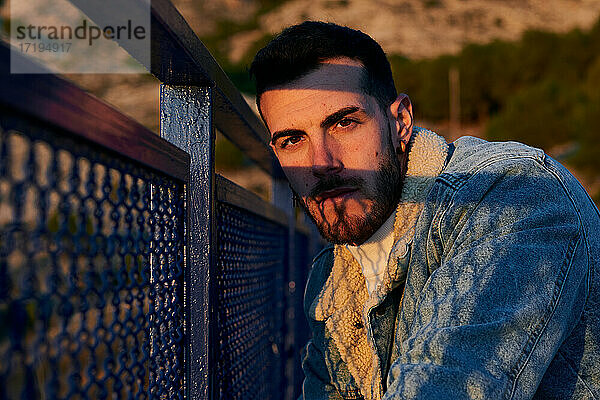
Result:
x=299 y=49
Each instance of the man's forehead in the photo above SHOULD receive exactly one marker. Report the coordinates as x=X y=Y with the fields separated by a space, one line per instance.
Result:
x=336 y=84
x=341 y=73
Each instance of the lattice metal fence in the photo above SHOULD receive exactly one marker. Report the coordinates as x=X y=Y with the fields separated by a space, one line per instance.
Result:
x=92 y=250
x=250 y=304
x=113 y=273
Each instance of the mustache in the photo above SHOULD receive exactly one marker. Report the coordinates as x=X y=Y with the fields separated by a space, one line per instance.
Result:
x=333 y=182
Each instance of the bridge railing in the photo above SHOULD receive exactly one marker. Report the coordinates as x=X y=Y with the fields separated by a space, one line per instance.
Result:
x=128 y=268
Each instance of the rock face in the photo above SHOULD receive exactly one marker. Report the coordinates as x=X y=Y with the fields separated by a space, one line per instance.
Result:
x=422 y=29
x=416 y=29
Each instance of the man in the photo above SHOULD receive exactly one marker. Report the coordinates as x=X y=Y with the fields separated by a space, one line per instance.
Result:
x=464 y=270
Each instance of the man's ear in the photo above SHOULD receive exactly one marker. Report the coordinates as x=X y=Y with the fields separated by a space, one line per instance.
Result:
x=402 y=114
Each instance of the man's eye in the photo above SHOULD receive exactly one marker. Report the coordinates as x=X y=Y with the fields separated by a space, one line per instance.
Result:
x=290 y=141
x=346 y=123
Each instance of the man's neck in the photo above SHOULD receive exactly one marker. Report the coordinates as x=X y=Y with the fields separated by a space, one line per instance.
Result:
x=372 y=255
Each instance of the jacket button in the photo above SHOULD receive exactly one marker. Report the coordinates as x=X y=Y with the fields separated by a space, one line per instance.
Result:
x=380 y=311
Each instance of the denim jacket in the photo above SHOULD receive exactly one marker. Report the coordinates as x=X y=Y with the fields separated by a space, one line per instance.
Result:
x=491 y=289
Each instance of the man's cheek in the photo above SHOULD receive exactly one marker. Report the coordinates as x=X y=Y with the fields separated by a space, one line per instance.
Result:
x=301 y=185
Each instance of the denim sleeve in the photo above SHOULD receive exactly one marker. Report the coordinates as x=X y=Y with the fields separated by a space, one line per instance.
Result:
x=507 y=286
x=316 y=385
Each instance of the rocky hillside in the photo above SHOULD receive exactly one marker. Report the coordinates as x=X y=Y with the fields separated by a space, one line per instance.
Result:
x=415 y=29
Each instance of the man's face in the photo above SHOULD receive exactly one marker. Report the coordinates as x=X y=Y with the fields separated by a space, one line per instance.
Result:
x=337 y=148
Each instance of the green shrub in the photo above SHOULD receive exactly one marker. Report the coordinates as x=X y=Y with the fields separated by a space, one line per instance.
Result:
x=540 y=115
x=490 y=74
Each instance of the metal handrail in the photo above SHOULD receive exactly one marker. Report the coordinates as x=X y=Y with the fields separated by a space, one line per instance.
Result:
x=178 y=57
x=53 y=100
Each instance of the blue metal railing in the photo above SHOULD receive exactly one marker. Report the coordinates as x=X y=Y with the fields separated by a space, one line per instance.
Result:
x=128 y=268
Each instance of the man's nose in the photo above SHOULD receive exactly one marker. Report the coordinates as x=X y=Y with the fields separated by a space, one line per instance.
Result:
x=325 y=159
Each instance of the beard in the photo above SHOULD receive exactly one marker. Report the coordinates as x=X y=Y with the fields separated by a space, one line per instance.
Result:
x=341 y=227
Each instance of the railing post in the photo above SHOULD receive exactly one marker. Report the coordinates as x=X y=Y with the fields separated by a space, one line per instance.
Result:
x=186 y=120
x=282 y=198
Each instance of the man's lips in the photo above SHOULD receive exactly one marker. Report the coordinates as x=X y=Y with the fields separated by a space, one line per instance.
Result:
x=337 y=192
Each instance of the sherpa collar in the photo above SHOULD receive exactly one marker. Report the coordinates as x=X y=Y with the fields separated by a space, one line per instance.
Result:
x=344 y=303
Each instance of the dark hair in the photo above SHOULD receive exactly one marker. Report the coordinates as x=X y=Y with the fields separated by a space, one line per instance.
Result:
x=299 y=49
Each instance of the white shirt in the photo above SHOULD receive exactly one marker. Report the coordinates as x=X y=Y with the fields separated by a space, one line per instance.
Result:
x=373 y=254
